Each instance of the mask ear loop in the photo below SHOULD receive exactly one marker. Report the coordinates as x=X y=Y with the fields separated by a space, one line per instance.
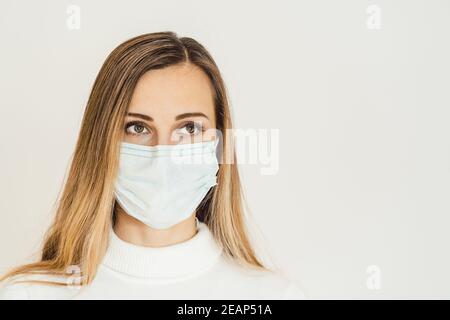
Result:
x=196 y=223
x=217 y=153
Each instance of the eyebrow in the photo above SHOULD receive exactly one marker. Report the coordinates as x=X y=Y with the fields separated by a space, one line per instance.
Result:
x=140 y=115
x=190 y=114
x=178 y=117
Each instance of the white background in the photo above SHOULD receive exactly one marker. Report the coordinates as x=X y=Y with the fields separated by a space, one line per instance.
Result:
x=364 y=176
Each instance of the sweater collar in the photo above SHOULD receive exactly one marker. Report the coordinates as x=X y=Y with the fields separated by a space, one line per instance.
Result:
x=183 y=259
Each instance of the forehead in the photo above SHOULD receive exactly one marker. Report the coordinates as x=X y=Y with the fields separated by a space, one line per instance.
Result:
x=173 y=90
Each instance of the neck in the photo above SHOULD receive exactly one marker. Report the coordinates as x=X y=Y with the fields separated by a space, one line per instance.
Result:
x=135 y=232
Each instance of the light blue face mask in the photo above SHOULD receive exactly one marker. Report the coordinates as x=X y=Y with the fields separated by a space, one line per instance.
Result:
x=163 y=185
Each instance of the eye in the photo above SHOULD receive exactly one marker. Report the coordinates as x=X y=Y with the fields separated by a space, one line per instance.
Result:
x=191 y=128
x=136 y=128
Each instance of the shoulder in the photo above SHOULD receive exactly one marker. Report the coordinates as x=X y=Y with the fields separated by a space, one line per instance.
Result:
x=293 y=292
x=21 y=288
x=278 y=285
x=14 y=291
x=258 y=283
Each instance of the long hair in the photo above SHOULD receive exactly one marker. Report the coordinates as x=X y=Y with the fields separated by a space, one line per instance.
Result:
x=84 y=214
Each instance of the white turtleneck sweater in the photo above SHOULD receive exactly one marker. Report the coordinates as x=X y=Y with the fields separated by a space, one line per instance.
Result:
x=193 y=269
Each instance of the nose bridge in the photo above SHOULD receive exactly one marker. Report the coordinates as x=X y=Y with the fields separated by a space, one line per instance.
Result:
x=166 y=136
x=164 y=132
x=163 y=137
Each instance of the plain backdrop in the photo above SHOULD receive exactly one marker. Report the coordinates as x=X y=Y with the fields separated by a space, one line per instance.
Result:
x=360 y=205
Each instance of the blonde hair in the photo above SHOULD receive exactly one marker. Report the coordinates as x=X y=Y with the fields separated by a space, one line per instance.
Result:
x=85 y=209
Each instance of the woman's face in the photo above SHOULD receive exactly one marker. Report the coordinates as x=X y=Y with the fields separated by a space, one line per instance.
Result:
x=170 y=106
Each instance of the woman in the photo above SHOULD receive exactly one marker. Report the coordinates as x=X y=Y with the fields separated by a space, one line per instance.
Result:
x=138 y=219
